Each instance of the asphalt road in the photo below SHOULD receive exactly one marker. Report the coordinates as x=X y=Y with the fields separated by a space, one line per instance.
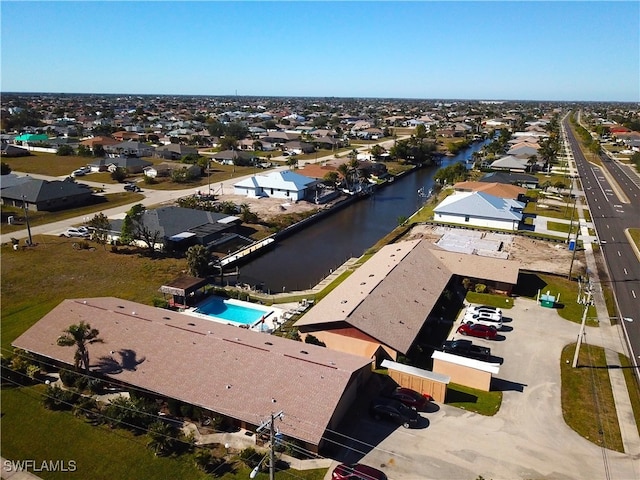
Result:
x=613 y=196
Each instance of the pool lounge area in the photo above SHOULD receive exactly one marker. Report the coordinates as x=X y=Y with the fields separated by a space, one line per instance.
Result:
x=256 y=317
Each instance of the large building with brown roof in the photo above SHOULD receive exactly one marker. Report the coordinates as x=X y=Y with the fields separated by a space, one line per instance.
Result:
x=380 y=309
x=241 y=374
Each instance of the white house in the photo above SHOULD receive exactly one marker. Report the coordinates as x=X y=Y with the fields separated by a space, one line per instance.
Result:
x=286 y=185
x=480 y=209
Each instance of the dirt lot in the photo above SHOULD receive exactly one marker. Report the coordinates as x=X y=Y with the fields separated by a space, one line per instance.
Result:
x=535 y=255
x=267 y=208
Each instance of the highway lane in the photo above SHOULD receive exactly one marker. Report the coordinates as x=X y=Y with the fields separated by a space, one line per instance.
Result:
x=614 y=207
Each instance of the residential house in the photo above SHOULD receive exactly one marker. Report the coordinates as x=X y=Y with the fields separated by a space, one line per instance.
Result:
x=496 y=189
x=9 y=150
x=523 y=150
x=522 y=179
x=235 y=157
x=178 y=228
x=479 y=209
x=254 y=375
x=43 y=195
x=298 y=147
x=510 y=163
x=286 y=185
x=174 y=151
x=166 y=169
x=92 y=142
x=129 y=164
x=372 y=313
x=130 y=149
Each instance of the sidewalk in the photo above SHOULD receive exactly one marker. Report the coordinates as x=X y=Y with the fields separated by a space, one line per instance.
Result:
x=611 y=338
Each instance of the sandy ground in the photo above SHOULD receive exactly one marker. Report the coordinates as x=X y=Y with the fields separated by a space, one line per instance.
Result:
x=535 y=255
x=267 y=208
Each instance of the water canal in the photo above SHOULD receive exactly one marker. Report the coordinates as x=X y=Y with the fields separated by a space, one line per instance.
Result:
x=300 y=261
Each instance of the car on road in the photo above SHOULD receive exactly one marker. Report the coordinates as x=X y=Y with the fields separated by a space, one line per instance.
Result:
x=79 y=232
x=357 y=471
x=394 y=410
x=411 y=398
x=78 y=173
x=479 y=330
x=132 y=187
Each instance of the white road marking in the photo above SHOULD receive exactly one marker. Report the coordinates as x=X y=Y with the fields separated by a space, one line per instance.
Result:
x=625 y=271
x=619 y=253
x=634 y=296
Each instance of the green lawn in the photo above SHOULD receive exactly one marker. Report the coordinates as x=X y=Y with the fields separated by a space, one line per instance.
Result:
x=632 y=387
x=529 y=284
x=587 y=399
x=426 y=212
x=490 y=299
x=473 y=400
x=553 y=211
x=562 y=227
x=635 y=235
x=28 y=431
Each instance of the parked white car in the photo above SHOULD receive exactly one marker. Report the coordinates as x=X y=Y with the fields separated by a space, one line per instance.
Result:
x=482 y=321
x=82 y=232
x=483 y=308
x=483 y=314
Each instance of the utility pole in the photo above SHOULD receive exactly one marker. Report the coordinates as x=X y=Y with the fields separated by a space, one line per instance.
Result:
x=26 y=218
x=272 y=446
x=587 y=304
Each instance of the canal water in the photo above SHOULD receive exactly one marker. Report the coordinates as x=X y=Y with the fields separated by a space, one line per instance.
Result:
x=300 y=261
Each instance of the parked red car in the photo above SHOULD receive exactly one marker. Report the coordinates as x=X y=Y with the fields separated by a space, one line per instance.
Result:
x=411 y=398
x=357 y=471
x=478 y=330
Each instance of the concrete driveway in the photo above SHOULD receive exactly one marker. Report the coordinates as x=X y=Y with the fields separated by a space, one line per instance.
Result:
x=526 y=439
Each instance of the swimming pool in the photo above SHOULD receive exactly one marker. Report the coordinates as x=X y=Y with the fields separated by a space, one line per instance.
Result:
x=232 y=310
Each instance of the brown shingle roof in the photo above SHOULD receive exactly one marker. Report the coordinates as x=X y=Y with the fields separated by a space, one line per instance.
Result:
x=496 y=189
x=194 y=361
x=391 y=295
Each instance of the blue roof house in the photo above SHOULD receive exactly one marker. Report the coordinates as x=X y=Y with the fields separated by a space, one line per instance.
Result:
x=287 y=185
x=479 y=209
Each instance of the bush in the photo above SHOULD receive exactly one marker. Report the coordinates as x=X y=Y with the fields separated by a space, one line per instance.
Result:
x=58 y=399
x=313 y=340
x=250 y=457
x=480 y=288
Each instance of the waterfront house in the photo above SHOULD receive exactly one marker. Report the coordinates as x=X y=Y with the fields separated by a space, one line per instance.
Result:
x=522 y=179
x=479 y=209
x=510 y=163
x=502 y=190
x=286 y=185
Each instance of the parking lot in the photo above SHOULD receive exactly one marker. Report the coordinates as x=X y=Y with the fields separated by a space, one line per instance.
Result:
x=526 y=439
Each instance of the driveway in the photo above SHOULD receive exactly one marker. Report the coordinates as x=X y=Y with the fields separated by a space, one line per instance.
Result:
x=526 y=439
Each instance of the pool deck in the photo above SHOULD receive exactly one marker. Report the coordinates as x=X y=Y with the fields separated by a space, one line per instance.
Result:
x=268 y=324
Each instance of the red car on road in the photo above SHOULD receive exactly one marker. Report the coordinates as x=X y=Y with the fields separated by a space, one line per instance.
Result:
x=478 y=330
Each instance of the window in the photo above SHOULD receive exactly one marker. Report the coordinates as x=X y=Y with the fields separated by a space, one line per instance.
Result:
x=466 y=218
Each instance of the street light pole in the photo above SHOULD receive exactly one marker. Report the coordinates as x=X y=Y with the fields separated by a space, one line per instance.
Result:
x=272 y=446
x=26 y=218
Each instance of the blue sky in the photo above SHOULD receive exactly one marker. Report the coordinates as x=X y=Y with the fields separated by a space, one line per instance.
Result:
x=441 y=50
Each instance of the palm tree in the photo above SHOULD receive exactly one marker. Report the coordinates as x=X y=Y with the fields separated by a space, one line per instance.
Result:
x=198 y=258
x=161 y=438
x=344 y=170
x=80 y=336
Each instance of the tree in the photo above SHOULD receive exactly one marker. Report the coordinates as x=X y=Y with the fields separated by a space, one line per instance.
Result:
x=80 y=336
x=84 y=151
x=236 y=130
x=377 y=151
x=292 y=161
x=331 y=178
x=228 y=143
x=345 y=172
x=98 y=151
x=134 y=228
x=420 y=131
x=101 y=227
x=162 y=438
x=119 y=174
x=65 y=151
x=246 y=215
x=198 y=259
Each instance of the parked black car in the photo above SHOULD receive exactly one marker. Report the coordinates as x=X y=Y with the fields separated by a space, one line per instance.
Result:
x=466 y=348
x=393 y=410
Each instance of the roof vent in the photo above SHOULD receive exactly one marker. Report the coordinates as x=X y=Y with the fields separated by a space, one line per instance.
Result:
x=133 y=313
x=304 y=351
x=268 y=343
x=192 y=324
x=120 y=306
x=166 y=318
x=227 y=387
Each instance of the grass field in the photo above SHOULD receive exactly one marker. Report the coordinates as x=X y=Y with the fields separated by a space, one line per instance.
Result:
x=635 y=235
x=29 y=431
x=562 y=227
x=587 y=399
x=478 y=401
x=490 y=299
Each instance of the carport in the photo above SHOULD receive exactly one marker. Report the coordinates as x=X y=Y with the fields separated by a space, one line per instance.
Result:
x=465 y=371
x=422 y=381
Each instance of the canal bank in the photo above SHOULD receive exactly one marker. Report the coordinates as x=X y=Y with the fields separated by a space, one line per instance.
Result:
x=299 y=262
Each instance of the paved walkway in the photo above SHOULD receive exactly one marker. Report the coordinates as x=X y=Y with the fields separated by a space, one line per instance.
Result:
x=611 y=338
x=11 y=471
